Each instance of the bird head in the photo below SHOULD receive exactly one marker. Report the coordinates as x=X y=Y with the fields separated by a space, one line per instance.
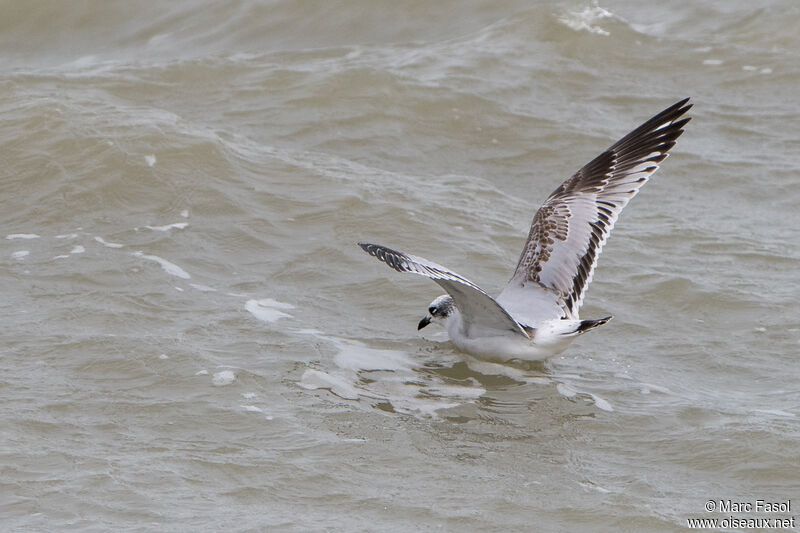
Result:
x=441 y=308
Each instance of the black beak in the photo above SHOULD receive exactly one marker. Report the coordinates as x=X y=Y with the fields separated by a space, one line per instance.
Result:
x=424 y=322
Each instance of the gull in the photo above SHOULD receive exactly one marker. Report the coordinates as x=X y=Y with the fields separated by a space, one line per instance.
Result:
x=536 y=314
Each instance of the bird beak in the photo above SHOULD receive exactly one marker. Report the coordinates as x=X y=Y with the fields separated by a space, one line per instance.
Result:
x=424 y=322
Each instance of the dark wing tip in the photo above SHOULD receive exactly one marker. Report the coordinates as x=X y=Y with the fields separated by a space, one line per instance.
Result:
x=678 y=124
x=393 y=258
x=670 y=114
x=657 y=134
x=679 y=108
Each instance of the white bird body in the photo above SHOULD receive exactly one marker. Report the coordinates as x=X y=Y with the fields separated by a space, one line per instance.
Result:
x=536 y=314
x=550 y=338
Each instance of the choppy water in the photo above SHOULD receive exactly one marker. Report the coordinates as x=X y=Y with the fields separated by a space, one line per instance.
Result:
x=192 y=340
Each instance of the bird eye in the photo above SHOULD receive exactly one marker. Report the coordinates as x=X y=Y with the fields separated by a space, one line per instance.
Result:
x=432 y=310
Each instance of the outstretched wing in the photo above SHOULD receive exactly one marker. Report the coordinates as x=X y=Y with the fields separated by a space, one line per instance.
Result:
x=477 y=308
x=569 y=230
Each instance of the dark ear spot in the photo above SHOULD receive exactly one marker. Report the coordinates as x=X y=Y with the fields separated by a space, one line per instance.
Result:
x=432 y=310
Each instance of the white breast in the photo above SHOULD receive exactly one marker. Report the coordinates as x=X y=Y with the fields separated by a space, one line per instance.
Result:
x=500 y=346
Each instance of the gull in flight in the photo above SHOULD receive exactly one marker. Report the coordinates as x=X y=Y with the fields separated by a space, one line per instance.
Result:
x=536 y=314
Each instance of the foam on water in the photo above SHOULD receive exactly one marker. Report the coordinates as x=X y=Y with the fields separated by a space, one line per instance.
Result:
x=399 y=378
x=202 y=288
x=647 y=388
x=167 y=227
x=108 y=244
x=267 y=309
x=572 y=390
x=566 y=391
x=587 y=19
x=24 y=236
x=601 y=403
x=170 y=268
x=494 y=369
x=222 y=378
x=389 y=377
x=20 y=254
x=313 y=379
x=776 y=412
x=472 y=392
x=356 y=356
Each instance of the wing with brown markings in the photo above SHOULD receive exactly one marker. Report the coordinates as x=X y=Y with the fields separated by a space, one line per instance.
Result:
x=569 y=230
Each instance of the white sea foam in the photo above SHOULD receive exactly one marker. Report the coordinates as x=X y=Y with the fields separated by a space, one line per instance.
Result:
x=566 y=391
x=267 y=309
x=14 y=236
x=169 y=267
x=21 y=254
x=225 y=377
x=77 y=249
x=647 y=388
x=494 y=369
x=340 y=386
x=776 y=412
x=202 y=288
x=457 y=391
x=586 y=20
x=356 y=356
x=601 y=403
x=167 y=227
x=108 y=244
x=394 y=379
x=150 y=160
